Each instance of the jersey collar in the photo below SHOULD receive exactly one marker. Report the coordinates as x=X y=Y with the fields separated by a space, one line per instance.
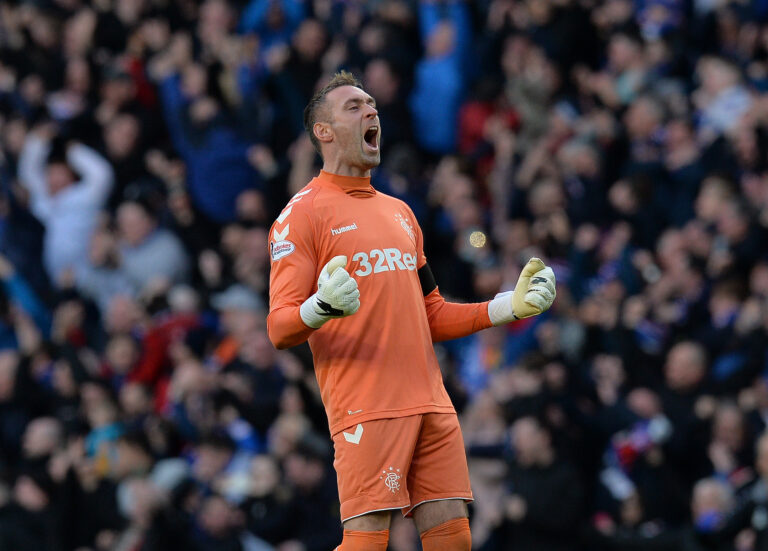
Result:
x=348 y=184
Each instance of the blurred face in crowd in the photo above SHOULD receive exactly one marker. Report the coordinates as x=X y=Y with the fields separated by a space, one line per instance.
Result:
x=101 y=249
x=381 y=81
x=135 y=400
x=64 y=381
x=123 y=314
x=579 y=158
x=546 y=197
x=258 y=351
x=710 y=496
x=240 y=322
x=251 y=206
x=642 y=118
x=13 y=135
x=303 y=472
x=723 y=304
x=216 y=516
x=194 y=80
x=264 y=475
x=678 y=134
x=215 y=19
x=118 y=90
x=210 y=461
x=42 y=437
x=717 y=75
x=134 y=224
x=728 y=426
x=101 y=414
x=350 y=130
x=531 y=442
x=78 y=75
x=758 y=280
x=309 y=39
x=623 y=52
x=121 y=136
x=671 y=250
x=685 y=366
x=733 y=222
x=143 y=498
x=714 y=192
x=59 y=177
x=441 y=41
x=372 y=39
x=644 y=403
x=122 y=353
x=285 y=433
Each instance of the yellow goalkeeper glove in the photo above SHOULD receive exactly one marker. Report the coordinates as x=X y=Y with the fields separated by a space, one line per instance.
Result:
x=533 y=294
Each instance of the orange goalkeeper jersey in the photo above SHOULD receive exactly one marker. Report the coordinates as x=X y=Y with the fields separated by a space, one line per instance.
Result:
x=379 y=362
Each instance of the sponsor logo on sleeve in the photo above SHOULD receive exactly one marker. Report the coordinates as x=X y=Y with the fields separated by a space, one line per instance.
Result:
x=280 y=249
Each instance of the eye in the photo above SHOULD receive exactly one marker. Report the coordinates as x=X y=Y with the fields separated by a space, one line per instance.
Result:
x=353 y=108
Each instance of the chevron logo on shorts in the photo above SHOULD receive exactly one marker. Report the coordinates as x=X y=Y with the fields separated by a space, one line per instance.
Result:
x=354 y=438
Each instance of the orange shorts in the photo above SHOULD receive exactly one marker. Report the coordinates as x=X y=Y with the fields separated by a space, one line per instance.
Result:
x=400 y=463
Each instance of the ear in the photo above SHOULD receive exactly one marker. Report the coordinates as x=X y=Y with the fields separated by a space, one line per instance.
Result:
x=323 y=132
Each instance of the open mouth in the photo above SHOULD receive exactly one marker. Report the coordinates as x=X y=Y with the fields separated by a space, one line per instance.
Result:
x=371 y=137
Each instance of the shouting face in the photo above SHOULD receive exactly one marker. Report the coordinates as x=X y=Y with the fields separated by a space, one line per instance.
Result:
x=350 y=128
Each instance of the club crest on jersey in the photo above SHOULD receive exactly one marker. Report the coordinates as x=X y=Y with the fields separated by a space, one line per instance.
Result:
x=280 y=249
x=391 y=479
x=406 y=225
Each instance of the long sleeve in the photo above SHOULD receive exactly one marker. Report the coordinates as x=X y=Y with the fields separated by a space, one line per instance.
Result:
x=20 y=292
x=452 y=320
x=429 y=18
x=95 y=171
x=293 y=275
x=173 y=103
x=460 y=16
x=32 y=175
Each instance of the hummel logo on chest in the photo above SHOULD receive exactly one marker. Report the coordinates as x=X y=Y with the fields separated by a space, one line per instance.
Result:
x=342 y=229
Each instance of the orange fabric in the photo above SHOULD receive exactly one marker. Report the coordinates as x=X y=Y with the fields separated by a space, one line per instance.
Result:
x=355 y=540
x=400 y=463
x=453 y=535
x=450 y=320
x=379 y=362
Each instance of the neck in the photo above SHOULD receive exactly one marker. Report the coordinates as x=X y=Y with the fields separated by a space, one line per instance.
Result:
x=337 y=166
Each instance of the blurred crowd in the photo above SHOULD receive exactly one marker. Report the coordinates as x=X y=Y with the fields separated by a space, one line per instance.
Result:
x=146 y=146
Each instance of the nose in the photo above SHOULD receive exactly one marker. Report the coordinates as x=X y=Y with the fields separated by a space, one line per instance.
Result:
x=372 y=112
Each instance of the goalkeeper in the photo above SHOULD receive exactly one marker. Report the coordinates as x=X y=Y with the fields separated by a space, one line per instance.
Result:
x=348 y=273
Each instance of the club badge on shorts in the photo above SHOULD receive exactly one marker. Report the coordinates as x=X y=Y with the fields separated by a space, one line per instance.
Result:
x=391 y=479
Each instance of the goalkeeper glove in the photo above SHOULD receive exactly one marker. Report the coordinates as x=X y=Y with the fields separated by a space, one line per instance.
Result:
x=337 y=295
x=533 y=294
